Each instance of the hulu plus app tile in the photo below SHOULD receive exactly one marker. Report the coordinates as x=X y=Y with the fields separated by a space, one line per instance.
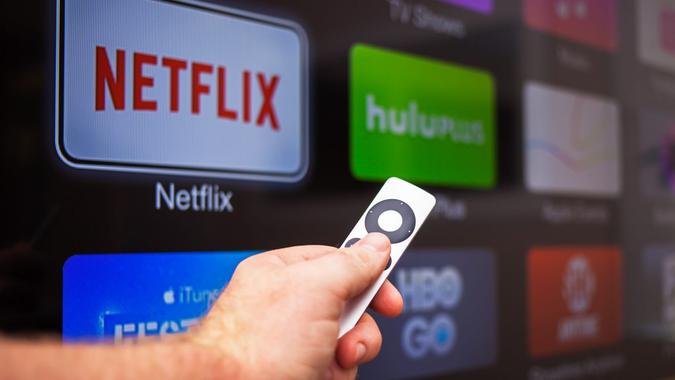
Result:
x=574 y=298
x=422 y=120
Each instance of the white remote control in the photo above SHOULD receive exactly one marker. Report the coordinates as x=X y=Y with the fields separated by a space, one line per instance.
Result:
x=398 y=211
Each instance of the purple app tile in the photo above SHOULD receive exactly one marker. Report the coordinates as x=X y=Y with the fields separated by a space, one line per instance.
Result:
x=482 y=6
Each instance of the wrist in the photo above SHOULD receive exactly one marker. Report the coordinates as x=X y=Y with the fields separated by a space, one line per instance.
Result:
x=225 y=360
x=214 y=364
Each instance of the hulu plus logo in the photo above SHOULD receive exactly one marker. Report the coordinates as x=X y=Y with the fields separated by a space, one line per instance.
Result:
x=413 y=122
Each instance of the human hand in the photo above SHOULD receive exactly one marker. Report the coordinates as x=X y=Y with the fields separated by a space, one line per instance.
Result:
x=279 y=315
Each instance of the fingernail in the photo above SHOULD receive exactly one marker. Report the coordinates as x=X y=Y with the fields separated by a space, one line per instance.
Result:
x=376 y=242
x=360 y=352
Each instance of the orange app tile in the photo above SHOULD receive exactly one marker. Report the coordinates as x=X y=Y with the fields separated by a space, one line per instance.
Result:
x=575 y=298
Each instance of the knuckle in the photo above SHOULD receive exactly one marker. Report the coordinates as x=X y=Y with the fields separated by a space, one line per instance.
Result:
x=247 y=264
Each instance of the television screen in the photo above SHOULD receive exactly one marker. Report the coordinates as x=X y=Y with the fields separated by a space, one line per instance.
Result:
x=149 y=146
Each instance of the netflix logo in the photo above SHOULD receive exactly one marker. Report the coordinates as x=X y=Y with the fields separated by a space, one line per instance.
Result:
x=181 y=89
x=115 y=83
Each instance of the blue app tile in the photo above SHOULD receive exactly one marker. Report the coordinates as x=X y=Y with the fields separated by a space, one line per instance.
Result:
x=124 y=296
x=450 y=319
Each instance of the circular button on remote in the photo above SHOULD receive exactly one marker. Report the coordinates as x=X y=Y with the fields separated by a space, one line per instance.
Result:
x=405 y=220
x=351 y=242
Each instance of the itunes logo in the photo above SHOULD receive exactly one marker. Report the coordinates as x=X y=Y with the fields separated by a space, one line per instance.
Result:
x=169 y=297
x=189 y=295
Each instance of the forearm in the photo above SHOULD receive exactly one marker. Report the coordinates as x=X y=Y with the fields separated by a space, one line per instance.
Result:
x=173 y=359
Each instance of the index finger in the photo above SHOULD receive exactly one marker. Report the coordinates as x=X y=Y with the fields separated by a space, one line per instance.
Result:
x=388 y=301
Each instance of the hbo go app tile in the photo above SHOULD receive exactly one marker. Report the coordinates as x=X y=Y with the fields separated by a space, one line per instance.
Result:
x=171 y=87
x=572 y=142
x=450 y=320
x=574 y=299
x=422 y=120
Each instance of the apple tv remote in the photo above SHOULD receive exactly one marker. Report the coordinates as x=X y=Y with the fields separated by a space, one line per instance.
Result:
x=398 y=211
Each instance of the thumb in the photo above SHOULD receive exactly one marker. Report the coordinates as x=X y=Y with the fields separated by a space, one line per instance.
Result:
x=347 y=272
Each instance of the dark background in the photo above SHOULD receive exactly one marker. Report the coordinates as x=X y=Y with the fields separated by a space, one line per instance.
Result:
x=51 y=212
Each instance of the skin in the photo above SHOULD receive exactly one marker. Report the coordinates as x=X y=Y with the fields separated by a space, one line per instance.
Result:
x=277 y=318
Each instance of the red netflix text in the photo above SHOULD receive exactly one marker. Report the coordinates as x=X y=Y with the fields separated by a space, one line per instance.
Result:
x=114 y=79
